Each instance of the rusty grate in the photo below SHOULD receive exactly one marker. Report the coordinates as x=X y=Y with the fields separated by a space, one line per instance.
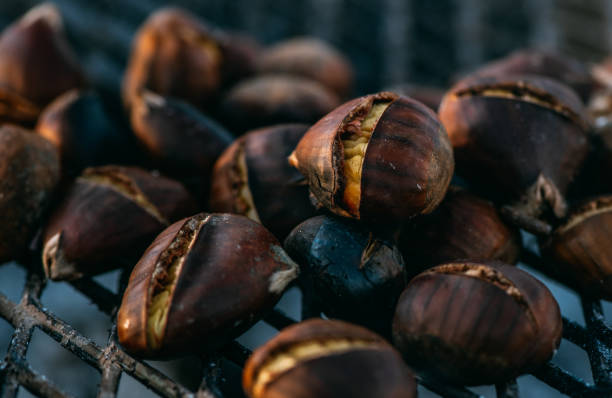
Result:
x=112 y=361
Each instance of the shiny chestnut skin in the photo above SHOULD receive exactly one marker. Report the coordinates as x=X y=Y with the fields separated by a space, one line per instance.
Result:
x=525 y=136
x=80 y=128
x=352 y=273
x=202 y=282
x=464 y=226
x=545 y=63
x=108 y=217
x=177 y=137
x=473 y=323
x=405 y=170
x=311 y=58
x=324 y=359
x=175 y=54
x=36 y=62
x=29 y=173
x=581 y=250
x=253 y=178
x=274 y=99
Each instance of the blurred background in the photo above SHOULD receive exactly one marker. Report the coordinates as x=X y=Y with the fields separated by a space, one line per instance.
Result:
x=388 y=41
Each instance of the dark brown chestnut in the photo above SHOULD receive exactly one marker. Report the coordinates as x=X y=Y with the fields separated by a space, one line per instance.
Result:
x=175 y=54
x=524 y=136
x=275 y=99
x=352 y=273
x=311 y=58
x=107 y=219
x=29 y=173
x=561 y=67
x=478 y=323
x=202 y=282
x=464 y=226
x=381 y=157
x=327 y=359
x=36 y=62
x=253 y=178
x=178 y=138
x=82 y=131
x=581 y=248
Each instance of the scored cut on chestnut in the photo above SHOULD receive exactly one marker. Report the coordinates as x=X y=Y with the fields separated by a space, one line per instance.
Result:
x=350 y=272
x=108 y=217
x=203 y=281
x=474 y=323
x=29 y=174
x=324 y=359
x=463 y=227
x=381 y=157
x=524 y=136
x=252 y=178
x=581 y=248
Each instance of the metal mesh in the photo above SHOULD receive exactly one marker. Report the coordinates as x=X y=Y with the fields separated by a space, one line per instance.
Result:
x=389 y=41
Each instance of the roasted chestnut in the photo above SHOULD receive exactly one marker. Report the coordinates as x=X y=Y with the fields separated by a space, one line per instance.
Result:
x=352 y=273
x=202 y=282
x=474 y=323
x=525 y=137
x=175 y=54
x=253 y=178
x=311 y=58
x=84 y=134
x=581 y=248
x=107 y=219
x=545 y=63
x=381 y=157
x=464 y=226
x=267 y=100
x=324 y=359
x=36 y=62
x=29 y=173
x=177 y=137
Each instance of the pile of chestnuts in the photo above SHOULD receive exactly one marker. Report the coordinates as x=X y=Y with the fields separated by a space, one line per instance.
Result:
x=259 y=169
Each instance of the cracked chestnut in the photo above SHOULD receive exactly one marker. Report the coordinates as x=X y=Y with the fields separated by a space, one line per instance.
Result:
x=274 y=99
x=252 y=178
x=581 y=248
x=108 y=217
x=463 y=227
x=473 y=323
x=324 y=359
x=29 y=173
x=351 y=273
x=36 y=63
x=381 y=157
x=203 y=281
x=311 y=58
x=524 y=136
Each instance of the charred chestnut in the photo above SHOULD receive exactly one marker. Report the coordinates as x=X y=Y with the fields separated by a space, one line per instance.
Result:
x=324 y=359
x=177 y=137
x=311 y=58
x=36 y=62
x=476 y=323
x=525 y=136
x=353 y=273
x=581 y=248
x=202 y=282
x=253 y=178
x=108 y=217
x=464 y=226
x=380 y=157
x=29 y=173
x=267 y=100
x=79 y=127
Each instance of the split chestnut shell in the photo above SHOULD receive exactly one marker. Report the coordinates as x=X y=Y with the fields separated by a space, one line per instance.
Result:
x=381 y=157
